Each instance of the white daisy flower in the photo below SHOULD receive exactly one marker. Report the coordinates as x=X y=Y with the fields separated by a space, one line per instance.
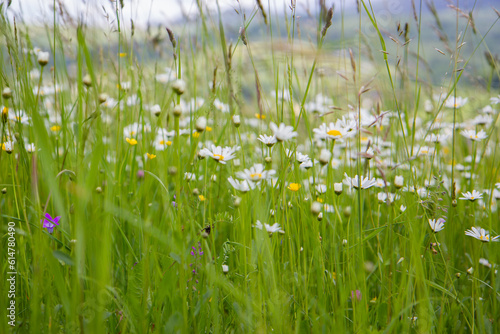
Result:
x=437 y=224
x=355 y=182
x=472 y=135
x=481 y=234
x=268 y=140
x=495 y=100
x=282 y=132
x=472 y=196
x=220 y=154
x=451 y=102
x=333 y=131
x=256 y=173
x=269 y=228
x=243 y=186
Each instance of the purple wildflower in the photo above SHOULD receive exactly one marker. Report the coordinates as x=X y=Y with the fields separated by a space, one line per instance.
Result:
x=49 y=223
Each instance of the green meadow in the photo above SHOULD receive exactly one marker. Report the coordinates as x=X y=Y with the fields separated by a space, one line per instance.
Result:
x=252 y=169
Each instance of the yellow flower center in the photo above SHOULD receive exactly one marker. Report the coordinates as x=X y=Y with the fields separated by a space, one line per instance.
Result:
x=472 y=197
x=334 y=133
x=196 y=135
x=220 y=157
x=55 y=128
x=259 y=116
x=122 y=54
x=294 y=186
x=151 y=156
x=254 y=175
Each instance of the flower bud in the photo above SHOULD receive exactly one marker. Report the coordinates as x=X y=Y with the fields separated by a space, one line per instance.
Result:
x=320 y=216
x=196 y=192
x=236 y=121
x=87 y=80
x=470 y=271
x=103 y=97
x=225 y=268
x=179 y=86
x=268 y=160
x=177 y=110
x=347 y=212
x=98 y=190
x=6 y=93
x=201 y=124
x=237 y=202
x=4 y=191
x=324 y=157
x=337 y=187
x=315 y=208
x=43 y=58
x=454 y=203
x=399 y=181
x=172 y=170
x=156 y=110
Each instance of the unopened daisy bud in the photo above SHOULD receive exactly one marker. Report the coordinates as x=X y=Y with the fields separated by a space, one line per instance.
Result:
x=402 y=208
x=43 y=58
x=458 y=275
x=236 y=121
x=344 y=242
x=337 y=187
x=103 y=97
x=268 y=160
x=399 y=181
x=454 y=203
x=156 y=110
x=225 y=268
x=271 y=212
x=172 y=170
x=201 y=124
x=290 y=205
x=6 y=93
x=347 y=212
x=470 y=271
x=87 y=80
x=237 y=202
x=177 y=110
x=196 y=192
x=324 y=157
x=320 y=216
x=200 y=156
x=315 y=208
x=4 y=191
x=179 y=86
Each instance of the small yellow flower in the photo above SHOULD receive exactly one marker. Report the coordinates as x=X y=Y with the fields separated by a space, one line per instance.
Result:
x=294 y=186
x=259 y=116
x=5 y=110
x=131 y=141
x=319 y=200
x=201 y=197
x=196 y=135
x=151 y=156
x=55 y=128
x=208 y=129
x=122 y=54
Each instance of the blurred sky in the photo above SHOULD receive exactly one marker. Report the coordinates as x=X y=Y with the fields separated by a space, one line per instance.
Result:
x=142 y=11
x=167 y=12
